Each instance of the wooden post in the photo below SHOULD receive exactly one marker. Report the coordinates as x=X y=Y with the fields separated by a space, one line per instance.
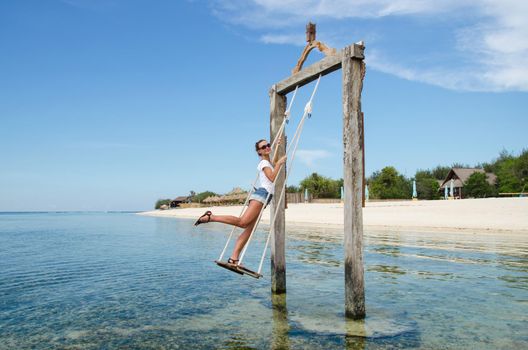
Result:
x=353 y=182
x=278 y=253
x=362 y=131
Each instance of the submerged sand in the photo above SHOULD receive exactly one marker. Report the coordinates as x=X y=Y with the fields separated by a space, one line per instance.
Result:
x=493 y=215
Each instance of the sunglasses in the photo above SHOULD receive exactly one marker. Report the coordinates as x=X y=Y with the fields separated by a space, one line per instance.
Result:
x=265 y=146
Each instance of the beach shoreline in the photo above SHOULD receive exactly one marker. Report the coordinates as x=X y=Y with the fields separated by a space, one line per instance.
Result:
x=484 y=216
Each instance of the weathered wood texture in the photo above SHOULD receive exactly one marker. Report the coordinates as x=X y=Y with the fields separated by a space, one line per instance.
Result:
x=362 y=130
x=323 y=67
x=328 y=51
x=278 y=253
x=353 y=183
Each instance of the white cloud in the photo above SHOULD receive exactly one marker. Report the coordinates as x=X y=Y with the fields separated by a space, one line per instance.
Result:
x=463 y=79
x=290 y=39
x=284 y=13
x=310 y=157
x=489 y=37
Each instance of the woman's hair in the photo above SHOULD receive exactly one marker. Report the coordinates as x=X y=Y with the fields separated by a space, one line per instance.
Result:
x=257 y=143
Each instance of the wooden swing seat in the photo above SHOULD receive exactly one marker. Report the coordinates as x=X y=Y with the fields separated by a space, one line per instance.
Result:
x=241 y=270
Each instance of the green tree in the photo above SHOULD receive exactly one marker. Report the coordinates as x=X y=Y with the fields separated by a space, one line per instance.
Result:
x=440 y=172
x=511 y=171
x=198 y=198
x=477 y=186
x=460 y=165
x=521 y=168
x=493 y=167
x=293 y=189
x=507 y=181
x=160 y=202
x=321 y=186
x=389 y=184
x=426 y=185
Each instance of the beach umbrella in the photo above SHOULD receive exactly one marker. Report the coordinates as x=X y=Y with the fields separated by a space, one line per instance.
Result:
x=445 y=191
x=366 y=193
x=305 y=195
x=452 y=184
x=342 y=193
x=414 y=189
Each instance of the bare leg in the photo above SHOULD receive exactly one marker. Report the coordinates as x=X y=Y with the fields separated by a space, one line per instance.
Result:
x=242 y=240
x=249 y=216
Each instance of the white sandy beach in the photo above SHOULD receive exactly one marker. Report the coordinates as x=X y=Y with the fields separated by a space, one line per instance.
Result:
x=492 y=215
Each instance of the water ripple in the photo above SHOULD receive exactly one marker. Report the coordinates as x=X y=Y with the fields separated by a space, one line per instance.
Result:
x=119 y=281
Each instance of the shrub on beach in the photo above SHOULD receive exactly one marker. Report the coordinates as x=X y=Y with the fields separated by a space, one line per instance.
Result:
x=161 y=202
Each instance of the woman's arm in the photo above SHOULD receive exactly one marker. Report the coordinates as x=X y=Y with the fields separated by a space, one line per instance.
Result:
x=272 y=174
x=276 y=155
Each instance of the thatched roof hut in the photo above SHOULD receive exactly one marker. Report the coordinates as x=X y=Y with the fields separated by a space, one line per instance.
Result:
x=212 y=199
x=236 y=190
x=235 y=196
x=460 y=176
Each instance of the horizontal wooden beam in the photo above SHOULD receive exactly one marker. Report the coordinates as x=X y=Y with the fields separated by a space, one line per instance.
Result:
x=327 y=65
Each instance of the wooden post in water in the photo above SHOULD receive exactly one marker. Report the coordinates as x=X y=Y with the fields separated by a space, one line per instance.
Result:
x=362 y=130
x=278 y=253
x=353 y=183
x=350 y=59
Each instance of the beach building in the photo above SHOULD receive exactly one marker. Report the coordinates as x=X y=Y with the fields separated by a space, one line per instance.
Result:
x=175 y=203
x=212 y=200
x=236 y=196
x=459 y=177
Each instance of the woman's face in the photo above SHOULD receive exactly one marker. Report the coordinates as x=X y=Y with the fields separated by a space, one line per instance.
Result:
x=264 y=148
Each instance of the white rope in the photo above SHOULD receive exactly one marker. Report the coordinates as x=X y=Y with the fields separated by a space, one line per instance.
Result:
x=273 y=144
x=279 y=203
x=307 y=113
x=295 y=140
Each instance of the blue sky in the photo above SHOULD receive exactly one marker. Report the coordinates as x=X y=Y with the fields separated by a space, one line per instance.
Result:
x=112 y=104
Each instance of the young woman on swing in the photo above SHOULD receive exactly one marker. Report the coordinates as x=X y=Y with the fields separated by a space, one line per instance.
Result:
x=268 y=171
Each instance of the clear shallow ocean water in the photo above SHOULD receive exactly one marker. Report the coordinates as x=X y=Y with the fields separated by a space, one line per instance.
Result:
x=123 y=281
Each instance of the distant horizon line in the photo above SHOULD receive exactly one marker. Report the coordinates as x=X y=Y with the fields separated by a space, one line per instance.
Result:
x=67 y=211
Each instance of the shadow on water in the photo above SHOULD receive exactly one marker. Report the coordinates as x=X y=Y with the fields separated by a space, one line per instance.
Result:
x=237 y=341
x=355 y=335
x=280 y=333
x=378 y=331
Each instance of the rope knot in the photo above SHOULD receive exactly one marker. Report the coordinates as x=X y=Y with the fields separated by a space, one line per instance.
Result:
x=308 y=109
x=287 y=117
